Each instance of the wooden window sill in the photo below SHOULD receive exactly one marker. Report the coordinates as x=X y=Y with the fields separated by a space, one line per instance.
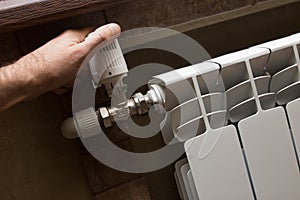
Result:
x=16 y=14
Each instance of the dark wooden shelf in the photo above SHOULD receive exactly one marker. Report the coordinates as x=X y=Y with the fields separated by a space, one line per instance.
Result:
x=16 y=14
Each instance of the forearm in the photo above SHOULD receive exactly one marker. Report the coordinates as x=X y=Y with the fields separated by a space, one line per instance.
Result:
x=18 y=81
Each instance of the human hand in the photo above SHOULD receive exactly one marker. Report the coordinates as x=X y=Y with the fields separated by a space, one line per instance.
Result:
x=52 y=67
x=57 y=62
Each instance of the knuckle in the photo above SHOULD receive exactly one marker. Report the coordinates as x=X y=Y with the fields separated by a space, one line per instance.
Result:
x=78 y=54
x=68 y=32
x=100 y=36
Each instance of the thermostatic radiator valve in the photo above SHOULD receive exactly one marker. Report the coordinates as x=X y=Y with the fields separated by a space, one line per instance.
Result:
x=112 y=60
x=138 y=104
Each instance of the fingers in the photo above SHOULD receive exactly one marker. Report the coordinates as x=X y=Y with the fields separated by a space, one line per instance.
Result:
x=76 y=35
x=82 y=33
x=63 y=89
x=103 y=33
x=81 y=43
x=70 y=84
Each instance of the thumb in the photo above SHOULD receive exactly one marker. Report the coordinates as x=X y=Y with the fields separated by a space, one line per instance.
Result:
x=99 y=35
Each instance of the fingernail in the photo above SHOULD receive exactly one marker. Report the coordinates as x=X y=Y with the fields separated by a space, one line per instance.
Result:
x=114 y=28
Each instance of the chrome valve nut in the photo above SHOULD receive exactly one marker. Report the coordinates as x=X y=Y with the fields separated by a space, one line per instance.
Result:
x=105 y=116
x=141 y=103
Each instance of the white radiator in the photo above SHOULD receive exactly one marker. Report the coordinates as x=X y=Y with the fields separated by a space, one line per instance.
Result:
x=247 y=147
